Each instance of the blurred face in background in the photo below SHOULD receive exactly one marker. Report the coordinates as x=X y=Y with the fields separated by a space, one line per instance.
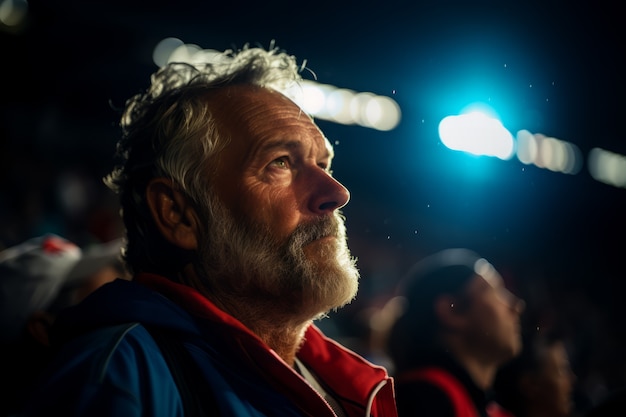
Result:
x=493 y=312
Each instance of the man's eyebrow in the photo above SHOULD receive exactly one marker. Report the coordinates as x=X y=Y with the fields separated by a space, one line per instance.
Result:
x=280 y=144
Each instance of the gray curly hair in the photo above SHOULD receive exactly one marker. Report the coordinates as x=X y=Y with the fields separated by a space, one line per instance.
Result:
x=169 y=132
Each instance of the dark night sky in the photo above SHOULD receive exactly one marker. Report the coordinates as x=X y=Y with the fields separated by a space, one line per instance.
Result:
x=549 y=67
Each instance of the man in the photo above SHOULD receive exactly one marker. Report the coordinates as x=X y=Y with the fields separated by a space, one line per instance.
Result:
x=236 y=244
x=458 y=326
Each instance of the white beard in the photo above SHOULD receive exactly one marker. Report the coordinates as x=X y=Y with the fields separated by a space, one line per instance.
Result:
x=244 y=260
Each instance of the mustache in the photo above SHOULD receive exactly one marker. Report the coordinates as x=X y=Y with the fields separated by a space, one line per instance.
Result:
x=308 y=232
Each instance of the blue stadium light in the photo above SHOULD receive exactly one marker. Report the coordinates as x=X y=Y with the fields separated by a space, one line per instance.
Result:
x=477 y=133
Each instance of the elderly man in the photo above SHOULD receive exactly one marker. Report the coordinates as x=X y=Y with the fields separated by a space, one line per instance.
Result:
x=236 y=243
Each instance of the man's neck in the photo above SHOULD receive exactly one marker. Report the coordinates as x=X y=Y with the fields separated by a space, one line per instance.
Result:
x=285 y=341
x=277 y=323
x=481 y=372
x=272 y=324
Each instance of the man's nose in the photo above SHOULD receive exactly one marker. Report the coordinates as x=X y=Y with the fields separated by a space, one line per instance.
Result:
x=515 y=303
x=520 y=305
x=328 y=194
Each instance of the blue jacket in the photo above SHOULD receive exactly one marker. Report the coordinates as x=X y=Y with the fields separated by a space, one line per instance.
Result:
x=110 y=364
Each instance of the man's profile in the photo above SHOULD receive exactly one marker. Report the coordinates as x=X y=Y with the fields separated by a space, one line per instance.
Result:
x=236 y=244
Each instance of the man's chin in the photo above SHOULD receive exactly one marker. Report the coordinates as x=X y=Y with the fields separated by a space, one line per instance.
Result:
x=322 y=240
x=321 y=248
x=333 y=273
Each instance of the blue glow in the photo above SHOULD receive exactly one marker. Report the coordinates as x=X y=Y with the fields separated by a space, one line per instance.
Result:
x=477 y=133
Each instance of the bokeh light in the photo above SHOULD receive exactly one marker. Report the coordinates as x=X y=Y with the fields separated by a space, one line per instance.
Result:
x=13 y=12
x=548 y=152
x=478 y=134
x=323 y=101
x=607 y=167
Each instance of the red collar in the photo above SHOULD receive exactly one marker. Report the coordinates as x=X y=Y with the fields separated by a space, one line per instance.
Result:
x=346 y=373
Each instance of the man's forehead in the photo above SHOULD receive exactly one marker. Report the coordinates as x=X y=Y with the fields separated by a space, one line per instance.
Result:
x=243 y=102
x=267 y=115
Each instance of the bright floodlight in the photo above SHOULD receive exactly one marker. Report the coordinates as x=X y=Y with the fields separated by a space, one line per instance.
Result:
x=478 y=134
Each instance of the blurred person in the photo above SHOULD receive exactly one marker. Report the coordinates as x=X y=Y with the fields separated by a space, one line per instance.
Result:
x=236 y=245
x=38 y=278
x=457 y=324
x=539 y=382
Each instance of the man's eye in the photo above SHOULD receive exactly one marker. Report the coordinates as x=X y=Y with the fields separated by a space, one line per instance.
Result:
x=280 y=163
x=326 y=167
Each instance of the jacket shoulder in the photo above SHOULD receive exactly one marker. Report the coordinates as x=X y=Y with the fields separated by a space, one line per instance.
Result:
x=110 y=371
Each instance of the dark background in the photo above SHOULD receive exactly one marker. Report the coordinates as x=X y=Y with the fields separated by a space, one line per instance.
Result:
x=550 y=67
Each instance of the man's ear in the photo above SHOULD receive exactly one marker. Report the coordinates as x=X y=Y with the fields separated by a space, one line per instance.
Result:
x=449 y=312
x=173 y=213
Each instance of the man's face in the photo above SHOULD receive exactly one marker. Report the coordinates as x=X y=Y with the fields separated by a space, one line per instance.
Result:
x=494 y=319
x=276 y=205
